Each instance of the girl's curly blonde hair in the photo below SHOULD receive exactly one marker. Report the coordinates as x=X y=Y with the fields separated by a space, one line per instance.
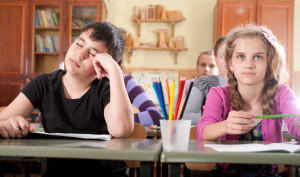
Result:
x=276 y=60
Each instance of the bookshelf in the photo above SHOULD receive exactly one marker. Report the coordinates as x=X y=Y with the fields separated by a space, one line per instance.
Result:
x=56 y=24
x=21 y=58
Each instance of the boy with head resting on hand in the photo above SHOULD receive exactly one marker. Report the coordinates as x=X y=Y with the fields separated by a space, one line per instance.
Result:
x=256 y=71
x=79 y=99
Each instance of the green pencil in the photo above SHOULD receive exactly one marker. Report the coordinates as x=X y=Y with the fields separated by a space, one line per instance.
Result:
x=275 y=116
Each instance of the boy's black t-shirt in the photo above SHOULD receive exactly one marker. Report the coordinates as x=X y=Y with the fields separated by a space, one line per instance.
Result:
x=83 y=115
x=62 y=115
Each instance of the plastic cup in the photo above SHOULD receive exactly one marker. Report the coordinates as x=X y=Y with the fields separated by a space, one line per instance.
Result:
x=175 y=134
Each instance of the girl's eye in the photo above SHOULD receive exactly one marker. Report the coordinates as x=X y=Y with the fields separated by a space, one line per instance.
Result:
x=92 y=54
x=212 y=66
x=203 y=65
x=79 y=44
x=257 y=57
x=240 y=57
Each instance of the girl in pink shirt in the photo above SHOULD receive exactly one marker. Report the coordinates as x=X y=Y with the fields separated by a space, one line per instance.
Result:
x=257 y=72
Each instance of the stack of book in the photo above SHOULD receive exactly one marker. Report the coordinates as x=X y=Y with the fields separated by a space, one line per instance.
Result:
x=46 y=43
x=46 y=18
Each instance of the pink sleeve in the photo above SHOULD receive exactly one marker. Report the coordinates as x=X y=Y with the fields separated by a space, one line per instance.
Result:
x=288 y=104
x=213 y=110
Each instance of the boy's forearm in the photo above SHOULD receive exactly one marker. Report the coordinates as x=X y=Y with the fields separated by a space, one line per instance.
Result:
x=120 y=109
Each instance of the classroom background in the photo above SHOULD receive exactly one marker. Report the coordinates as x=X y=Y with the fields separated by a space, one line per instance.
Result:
x=22 y=60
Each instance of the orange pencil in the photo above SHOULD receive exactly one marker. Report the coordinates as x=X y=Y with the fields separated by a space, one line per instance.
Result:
x=167 y=86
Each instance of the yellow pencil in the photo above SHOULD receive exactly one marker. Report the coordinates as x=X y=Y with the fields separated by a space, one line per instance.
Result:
x=172 y=100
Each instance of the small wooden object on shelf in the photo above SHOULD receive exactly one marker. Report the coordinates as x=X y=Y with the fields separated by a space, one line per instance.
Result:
x=136 y=42
x=171 y=42
x=158 y=9
x=143 y=14
x=151 y=12
x=162 y=38
x=128 y=42
x=136 y=12
x=163 y=15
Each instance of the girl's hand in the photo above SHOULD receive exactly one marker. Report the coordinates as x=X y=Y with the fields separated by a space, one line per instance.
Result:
x=103 y=63
x=239 y=122
x=15 y=127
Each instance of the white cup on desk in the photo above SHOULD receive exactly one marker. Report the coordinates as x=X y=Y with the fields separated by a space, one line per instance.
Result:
x=175 y=134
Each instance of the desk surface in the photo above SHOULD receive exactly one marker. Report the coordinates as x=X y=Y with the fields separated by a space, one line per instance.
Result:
x=114 y=149
x=197 y=153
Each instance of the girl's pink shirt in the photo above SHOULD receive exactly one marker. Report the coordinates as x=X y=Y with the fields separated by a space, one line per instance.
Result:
x=217 y=107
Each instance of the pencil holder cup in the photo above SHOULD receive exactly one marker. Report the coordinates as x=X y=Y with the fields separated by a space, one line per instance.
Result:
x=175 y=134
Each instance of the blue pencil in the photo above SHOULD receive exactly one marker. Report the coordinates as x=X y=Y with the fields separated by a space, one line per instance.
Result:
x=159 y=101
x=162 y=97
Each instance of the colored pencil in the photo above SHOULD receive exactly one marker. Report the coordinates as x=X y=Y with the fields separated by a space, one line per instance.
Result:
x=167 y=87
x=159 y=101
x=186 y=99
x=182 y=82
x=275 y=116
x=162 y=97
x=181 y=103
x=172 y=100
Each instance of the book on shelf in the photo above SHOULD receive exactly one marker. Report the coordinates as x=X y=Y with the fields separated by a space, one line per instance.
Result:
x=272 y=147
x=46 y=43
x=46 y=18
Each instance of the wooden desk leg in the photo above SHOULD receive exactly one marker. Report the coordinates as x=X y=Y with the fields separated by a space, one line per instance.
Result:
x=165 y=169
x=158 y=168
x=175 y=170
x=146 y=169
x=1 y=168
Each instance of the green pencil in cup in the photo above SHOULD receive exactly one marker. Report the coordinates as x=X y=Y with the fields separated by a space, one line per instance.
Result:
x=275 y=116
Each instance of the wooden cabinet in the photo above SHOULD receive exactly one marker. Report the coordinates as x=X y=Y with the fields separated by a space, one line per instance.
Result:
x=13 y=48
x=20 y=58
x=278 y=15
x=50 y=42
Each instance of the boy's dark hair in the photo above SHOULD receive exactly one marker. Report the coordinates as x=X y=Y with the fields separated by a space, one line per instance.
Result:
x=110 y=35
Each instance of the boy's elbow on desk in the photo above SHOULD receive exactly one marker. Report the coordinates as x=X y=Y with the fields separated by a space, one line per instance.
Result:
x=123 y=128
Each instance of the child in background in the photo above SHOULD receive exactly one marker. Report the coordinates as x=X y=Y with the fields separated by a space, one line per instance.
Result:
x=149 y=113
x=206 y=64
x=256 y=70
x=79 y=99
x=203 y=84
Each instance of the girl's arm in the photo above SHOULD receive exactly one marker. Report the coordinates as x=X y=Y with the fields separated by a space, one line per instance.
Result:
x=149 y=114
x=217 y=119
x=118 y=113
x=237 y=122
x=12 y=121
x=289 y=105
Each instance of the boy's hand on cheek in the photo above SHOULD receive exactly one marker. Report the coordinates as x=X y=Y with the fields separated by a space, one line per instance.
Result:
x=102 y=63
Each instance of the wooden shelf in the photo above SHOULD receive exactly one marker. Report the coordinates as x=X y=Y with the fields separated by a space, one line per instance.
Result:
x=172 y=21
x=130 y=49
x=46 y=53
x=46 y=28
